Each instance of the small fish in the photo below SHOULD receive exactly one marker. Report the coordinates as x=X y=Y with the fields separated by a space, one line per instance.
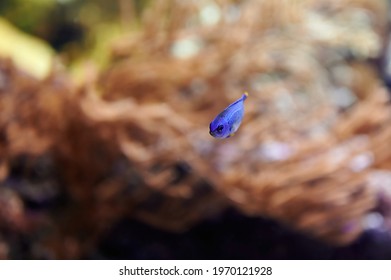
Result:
x=227 y=122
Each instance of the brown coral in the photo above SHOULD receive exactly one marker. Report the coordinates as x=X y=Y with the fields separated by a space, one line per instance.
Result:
x=135 y=141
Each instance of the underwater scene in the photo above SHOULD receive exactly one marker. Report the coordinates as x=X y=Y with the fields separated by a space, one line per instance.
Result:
x=195 y=129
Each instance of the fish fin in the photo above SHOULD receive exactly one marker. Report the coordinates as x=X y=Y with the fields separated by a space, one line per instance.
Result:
x=241 y=99
x=245 y=95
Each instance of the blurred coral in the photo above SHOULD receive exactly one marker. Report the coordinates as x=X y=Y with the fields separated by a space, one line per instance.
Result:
x=133 y=140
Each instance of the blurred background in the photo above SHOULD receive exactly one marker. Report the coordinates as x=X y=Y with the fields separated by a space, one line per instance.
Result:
x=105 y=150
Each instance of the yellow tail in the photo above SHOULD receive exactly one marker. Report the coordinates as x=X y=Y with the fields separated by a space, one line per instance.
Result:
x=245 y=95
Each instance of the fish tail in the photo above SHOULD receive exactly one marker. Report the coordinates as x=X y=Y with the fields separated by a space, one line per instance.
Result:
x=245 y=95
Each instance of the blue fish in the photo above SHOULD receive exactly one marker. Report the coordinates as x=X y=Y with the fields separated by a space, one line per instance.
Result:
x=227 y=122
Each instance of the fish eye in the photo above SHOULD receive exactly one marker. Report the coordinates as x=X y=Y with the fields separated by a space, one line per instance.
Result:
x=219 y=129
